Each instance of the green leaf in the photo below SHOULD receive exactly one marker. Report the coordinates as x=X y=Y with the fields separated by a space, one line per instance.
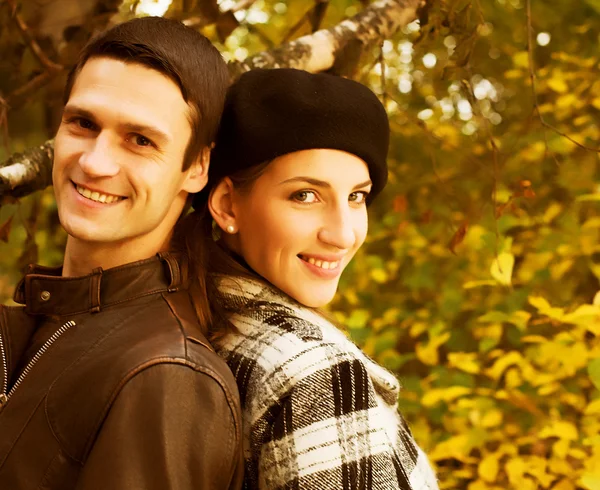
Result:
x=594 y=372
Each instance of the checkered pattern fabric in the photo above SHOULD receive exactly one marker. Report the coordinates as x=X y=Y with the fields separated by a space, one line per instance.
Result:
x=318 y=413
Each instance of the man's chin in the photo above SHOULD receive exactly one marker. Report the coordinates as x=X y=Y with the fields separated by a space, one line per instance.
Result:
x=89 y=232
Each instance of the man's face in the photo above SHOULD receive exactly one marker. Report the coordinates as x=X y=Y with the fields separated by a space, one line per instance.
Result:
x=118 y=156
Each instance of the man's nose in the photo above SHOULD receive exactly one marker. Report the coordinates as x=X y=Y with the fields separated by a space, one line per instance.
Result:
x=101 y=158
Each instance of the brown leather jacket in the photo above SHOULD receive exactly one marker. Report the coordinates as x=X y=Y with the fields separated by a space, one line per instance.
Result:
x=121 y=392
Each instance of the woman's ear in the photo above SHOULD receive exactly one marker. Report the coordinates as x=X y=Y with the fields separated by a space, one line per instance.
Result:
x=220 y=205
x=197 y=174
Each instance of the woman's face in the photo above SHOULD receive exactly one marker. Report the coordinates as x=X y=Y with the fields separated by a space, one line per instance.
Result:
x=302 y=221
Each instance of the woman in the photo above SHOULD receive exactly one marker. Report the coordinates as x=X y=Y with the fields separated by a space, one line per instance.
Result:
x=297 y=159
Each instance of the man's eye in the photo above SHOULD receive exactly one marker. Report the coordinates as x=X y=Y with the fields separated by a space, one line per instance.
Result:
x=140 y=140
x=305 y=197
x=83 y=123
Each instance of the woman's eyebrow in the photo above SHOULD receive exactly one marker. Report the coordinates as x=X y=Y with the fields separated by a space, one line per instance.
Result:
x=321 y=183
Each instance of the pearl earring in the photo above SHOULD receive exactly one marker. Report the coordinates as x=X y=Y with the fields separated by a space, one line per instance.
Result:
x=230 y=229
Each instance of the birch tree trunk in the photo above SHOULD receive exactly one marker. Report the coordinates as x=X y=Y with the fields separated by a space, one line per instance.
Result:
x=30 y=171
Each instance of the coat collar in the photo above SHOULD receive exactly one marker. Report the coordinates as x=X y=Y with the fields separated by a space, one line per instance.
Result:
x=44 y=291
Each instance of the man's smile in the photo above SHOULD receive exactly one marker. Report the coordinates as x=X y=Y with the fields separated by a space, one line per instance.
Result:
x=96 y=195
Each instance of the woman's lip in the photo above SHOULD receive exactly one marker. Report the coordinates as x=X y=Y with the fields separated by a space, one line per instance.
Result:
x=322 y=258
x=322 y=273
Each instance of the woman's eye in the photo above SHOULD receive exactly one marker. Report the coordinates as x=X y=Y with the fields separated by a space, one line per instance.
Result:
x=358 y=197
x=305 y=196
x=140 y=140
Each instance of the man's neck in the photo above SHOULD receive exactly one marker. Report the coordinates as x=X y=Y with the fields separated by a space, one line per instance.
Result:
x=82 y=258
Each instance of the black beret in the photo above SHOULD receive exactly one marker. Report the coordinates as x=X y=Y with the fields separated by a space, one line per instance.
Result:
x=271 y=112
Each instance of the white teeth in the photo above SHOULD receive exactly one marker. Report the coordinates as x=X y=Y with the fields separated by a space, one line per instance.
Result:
x=323 y=264
x=96 y=196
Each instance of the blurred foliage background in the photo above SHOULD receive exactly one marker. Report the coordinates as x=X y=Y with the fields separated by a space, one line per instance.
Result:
x=479 y=283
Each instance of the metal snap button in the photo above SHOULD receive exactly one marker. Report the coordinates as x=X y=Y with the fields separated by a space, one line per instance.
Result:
x=45 y=295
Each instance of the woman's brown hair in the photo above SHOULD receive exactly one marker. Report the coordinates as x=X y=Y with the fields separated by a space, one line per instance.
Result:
x=196 y=235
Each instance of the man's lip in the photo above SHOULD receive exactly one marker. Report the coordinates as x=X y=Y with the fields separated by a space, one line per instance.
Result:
x=94 y=189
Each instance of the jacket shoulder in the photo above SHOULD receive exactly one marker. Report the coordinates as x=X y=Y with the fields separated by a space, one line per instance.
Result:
x=279 y=346
x=161 y=331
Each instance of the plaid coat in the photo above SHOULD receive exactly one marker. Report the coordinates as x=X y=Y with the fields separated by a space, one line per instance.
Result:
x=318 y=413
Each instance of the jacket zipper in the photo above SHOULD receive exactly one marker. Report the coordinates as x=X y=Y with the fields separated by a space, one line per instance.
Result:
x=4 y=396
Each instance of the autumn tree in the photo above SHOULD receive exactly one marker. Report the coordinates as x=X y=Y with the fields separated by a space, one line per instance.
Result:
x=479 y=282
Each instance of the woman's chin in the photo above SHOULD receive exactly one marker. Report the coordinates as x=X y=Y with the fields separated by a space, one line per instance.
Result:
x=312 y=297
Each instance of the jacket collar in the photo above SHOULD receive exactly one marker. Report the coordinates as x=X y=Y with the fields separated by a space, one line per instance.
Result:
x=44 y=291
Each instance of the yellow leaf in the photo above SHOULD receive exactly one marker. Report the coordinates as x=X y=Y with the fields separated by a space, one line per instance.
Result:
x=513 y=74
x=591 y=480
x=583 y=315
x=561 y=448
x=493 y=418
x=560 y=467
x=560 y=429
x=537 y=467
x=456 y=447
x=477 y=485
x=566 y=100
x=515 y=469
x=488 y=468
x=579 y=454
x=503 y=363
x=464 y=361
x=534 y=339
x=428 y=354
x=380 y=276
x=593 y=407
x=521 y=59
x=502 y=268
x=596 y=102
x=539 y=303
x=548 y=389
x=434 y=396
x=558 y=84
x=564 y=484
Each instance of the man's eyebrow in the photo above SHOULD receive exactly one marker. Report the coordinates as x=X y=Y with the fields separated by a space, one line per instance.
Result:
x=151 y=131
x=73 y=110
x=321 y=183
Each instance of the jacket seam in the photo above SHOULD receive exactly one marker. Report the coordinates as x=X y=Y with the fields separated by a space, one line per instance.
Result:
x=179 y=325
x=23 y=429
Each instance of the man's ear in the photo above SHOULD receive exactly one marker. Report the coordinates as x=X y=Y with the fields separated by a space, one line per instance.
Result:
x=197 y=174
x=220 y=205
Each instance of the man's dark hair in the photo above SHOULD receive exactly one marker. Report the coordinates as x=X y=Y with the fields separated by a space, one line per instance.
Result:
x=178 y=52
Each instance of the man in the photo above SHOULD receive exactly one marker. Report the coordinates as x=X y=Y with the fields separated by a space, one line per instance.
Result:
x=106 y=379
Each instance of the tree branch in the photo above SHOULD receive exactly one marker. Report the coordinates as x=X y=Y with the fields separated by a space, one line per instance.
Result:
x=26 y=172
x=30 y=171
x=31 y=42
x=317 y=52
